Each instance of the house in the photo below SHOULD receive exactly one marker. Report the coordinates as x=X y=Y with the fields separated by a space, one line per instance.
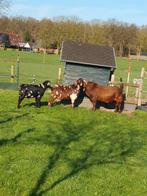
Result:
x=88 y=61
x=4 y=40
x=9 y=40
x=25 y=46
x=15 y=39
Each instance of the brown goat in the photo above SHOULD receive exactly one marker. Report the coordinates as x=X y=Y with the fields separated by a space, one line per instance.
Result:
x=60 y=92
x=106 y=94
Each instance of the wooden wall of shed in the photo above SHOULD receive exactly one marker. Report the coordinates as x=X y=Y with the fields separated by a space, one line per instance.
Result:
x=96 y=74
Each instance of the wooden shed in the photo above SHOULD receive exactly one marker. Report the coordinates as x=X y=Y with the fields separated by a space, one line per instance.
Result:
x=88 y=61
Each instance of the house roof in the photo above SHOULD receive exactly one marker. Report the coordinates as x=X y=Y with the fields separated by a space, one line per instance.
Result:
x=24 y=45
x=89 y=54
x=14 y=39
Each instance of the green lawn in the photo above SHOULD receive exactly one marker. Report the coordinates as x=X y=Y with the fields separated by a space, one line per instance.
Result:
x=64 y=151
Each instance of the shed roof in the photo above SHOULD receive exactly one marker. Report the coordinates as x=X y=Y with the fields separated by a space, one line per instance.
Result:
x=90 y=54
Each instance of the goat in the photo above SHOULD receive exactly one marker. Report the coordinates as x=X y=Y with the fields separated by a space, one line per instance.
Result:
x=61 y=92
x=33 y=91
x=106 y=94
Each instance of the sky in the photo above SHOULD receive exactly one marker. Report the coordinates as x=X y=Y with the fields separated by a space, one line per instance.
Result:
x=130 y=11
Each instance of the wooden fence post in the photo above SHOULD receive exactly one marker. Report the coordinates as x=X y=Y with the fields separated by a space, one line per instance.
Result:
x=44 y=55
x=140 y=87
x=12 y=73
x=112 y=80
x=17 y=71
x=59 y=74
x=128 y=80
x=34 y=79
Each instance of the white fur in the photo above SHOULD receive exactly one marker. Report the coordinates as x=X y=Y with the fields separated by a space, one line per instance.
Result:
x=42 y=86
x=73 y=97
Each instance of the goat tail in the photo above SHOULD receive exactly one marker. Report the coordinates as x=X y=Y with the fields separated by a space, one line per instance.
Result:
x=121 y=84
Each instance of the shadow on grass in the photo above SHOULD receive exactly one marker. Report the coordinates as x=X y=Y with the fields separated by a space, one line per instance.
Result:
x=15 y=139
x=43 y=103
x=106 y=147
x=13 y=118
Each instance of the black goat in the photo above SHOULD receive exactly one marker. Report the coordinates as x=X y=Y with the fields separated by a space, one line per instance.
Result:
x=33 y=91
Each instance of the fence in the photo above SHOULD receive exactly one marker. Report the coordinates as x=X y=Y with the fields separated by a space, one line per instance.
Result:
x=135 y=91
x=22 y=72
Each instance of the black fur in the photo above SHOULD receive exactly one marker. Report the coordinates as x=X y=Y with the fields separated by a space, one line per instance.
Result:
x=32 y=91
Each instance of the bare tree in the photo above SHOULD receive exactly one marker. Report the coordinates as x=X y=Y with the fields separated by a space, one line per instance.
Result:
x=4 y=6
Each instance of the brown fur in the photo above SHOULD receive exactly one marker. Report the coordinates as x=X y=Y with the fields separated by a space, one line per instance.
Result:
x=59 y=93
x=106 y=94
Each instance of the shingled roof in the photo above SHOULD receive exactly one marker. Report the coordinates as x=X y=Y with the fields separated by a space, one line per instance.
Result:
x=89 y=54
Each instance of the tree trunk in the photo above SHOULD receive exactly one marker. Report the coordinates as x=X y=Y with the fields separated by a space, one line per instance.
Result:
x=129 y=49
x=120 y=50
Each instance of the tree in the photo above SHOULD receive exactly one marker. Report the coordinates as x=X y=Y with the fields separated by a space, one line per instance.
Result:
x=142 y=40
x=45 y=33
x=4 y=6
x=27 y=36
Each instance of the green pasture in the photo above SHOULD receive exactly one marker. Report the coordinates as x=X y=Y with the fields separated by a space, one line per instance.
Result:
x=46 y=66
x=42 y=66
x=39 y=67
x=63 y=151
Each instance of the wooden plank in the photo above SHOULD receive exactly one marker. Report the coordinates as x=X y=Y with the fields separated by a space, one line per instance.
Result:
x=97 y=74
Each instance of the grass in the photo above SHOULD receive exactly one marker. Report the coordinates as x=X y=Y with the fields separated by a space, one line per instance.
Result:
x=46 y=67
x=43 y=67
x=61 y=151
x=64 y=151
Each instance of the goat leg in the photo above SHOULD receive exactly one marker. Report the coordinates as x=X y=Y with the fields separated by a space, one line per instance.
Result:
x=37 y=102
x=94 y=105
x=116 y=107
x=120 y=108
x=51 y=101
x=73 y=97
x=20 y=100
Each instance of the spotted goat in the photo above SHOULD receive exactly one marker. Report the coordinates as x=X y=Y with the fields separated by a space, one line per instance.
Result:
x=61 y=92
x=33 y=91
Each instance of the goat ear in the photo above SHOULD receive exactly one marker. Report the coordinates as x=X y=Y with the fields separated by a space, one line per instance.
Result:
x=85 y=81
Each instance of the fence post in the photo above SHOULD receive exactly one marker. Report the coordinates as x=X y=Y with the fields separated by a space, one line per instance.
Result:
x=59 y=74
x=140 y=87
x=112 y=80
x=12 y=73
x=17 y=71
x=128 y=80
x=34 y=79
x=44 y=54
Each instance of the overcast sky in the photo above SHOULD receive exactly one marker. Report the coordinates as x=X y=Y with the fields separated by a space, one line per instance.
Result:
x=130 y=11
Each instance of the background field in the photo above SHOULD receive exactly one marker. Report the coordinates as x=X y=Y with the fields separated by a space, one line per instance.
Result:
x=64 y=151
x=42 y=66
x=46 y=67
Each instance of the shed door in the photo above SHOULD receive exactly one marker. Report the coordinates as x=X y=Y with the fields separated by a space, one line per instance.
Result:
x=99 y=75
